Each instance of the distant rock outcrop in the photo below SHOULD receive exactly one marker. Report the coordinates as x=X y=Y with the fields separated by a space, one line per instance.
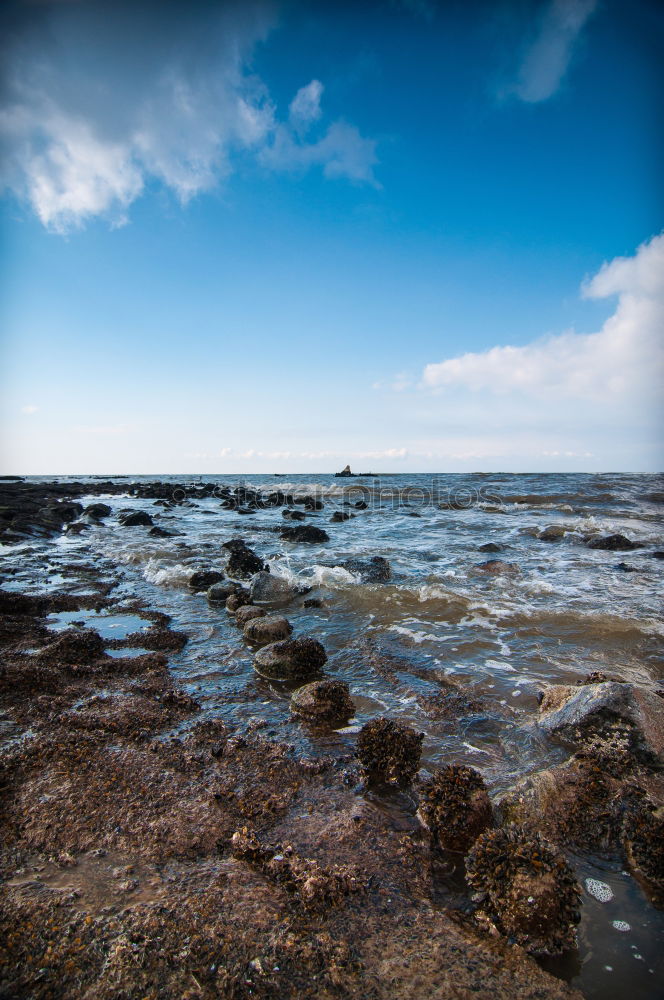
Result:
x=344 y=472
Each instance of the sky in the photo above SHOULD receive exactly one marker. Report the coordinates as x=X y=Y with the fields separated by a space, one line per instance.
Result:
x=285 y=236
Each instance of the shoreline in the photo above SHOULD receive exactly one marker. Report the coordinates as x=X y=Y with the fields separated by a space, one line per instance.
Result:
x=120 y=811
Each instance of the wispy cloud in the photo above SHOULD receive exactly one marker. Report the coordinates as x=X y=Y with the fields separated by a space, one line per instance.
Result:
x=103 y=99
x=548 y=55
x=29 y=410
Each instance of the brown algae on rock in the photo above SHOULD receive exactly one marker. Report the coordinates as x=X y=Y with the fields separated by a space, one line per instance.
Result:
x=389 y=751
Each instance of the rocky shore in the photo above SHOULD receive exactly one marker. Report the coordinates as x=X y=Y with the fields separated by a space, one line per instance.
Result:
x=147 y=852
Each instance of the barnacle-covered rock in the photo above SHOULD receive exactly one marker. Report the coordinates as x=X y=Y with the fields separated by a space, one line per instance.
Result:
x=529 y=892
x=291 y=659
x=455 y=806
x=323 y=701
x=643 y=837
x=246 y=612
x=265 y=629
x=315 y=887
x=389 y=751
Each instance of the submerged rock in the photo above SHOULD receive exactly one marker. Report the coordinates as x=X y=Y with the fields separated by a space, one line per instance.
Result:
x=247 y=612
x=614 y=543
x=292 y=659
x=374 y=570
x=305 y=533
x=158 y=532
x=389 y=751
x=455 y=806
x=490 y=547
x=323 y=701
x=266 y=587
x=552 y=534
x=204 y=579
x=571 y=712
x=340 y=515
x=529 y=892
x=496 y=566
x=263 y=629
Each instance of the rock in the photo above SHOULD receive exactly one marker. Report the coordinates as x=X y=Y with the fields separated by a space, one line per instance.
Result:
x=643 y=839
x=98 y=510
x=305 y=533
x=455 y=806
x=246 y=612
x=204 y=579
x=490 y=547
x=158 y=532
x=312 y=602
x=497 y=566
x=374 y=570
x=74 y=646
x=658 y=555
x=266 y=587
x=345 y=473
x=219 y=593
x=294 y=515
x=76 y=527
x=626 y=568
x=340 y=516
x=238 y=600
x=243 y=561
x=292 y=659
x=134 y=518
x=264 y=630
x=552 y=534
x=323 y=701
x=529 y=891
x=389 y=751
x=59 y=512
x=361 y=505
x=614 y=543
x=572 y=712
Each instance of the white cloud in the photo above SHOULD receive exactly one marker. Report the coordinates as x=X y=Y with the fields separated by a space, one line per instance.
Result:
x=305 y=107
x=548 y=56
x=101 y=100
x=622 y=362
x=29 y=409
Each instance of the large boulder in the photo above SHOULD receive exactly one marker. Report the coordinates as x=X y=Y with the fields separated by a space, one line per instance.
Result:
x=292 y=659
x=265 y=629
x=571 y=712
x=614 y=543
x=305 y=533
x=323 y=701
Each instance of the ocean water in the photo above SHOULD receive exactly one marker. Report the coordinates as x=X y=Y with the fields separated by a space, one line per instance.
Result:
x=557 y=611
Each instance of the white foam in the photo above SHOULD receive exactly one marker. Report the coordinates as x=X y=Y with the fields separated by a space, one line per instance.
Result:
x=599 y=890
x=166 y=576
x=414 y=634
x=621 y=925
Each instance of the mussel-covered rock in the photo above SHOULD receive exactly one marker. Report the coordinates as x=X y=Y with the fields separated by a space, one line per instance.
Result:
x=76 y=645
x=243 y=561
x=643 y=837
x=389 y=751
x=455 y=806
x=291 y=659
x=305 y=533
x=267 y=629
x=246 y=612
x=203 y=579
x=323 y=701
x=528 y=890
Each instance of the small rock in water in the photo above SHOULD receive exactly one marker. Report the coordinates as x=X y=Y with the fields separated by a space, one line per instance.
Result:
x=389 y=751
x=614 y=543
x=204 y=579
x=246 y=612
x=292 y=659
x=267 y=629
x=238 y=600
x=243 y=561
x=219 y=593
x=325 y=701
x=374 y=570
x=496 y=566
x=455 y=806
x=552 y=534
x=134 y=518
x=490 y=547
x=267 y=587
x=305 y=533
x=530 y=891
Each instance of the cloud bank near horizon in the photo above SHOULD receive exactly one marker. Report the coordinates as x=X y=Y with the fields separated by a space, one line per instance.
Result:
x=104 y=99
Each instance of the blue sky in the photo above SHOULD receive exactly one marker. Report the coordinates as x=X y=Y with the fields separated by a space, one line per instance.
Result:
x=280 y=237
